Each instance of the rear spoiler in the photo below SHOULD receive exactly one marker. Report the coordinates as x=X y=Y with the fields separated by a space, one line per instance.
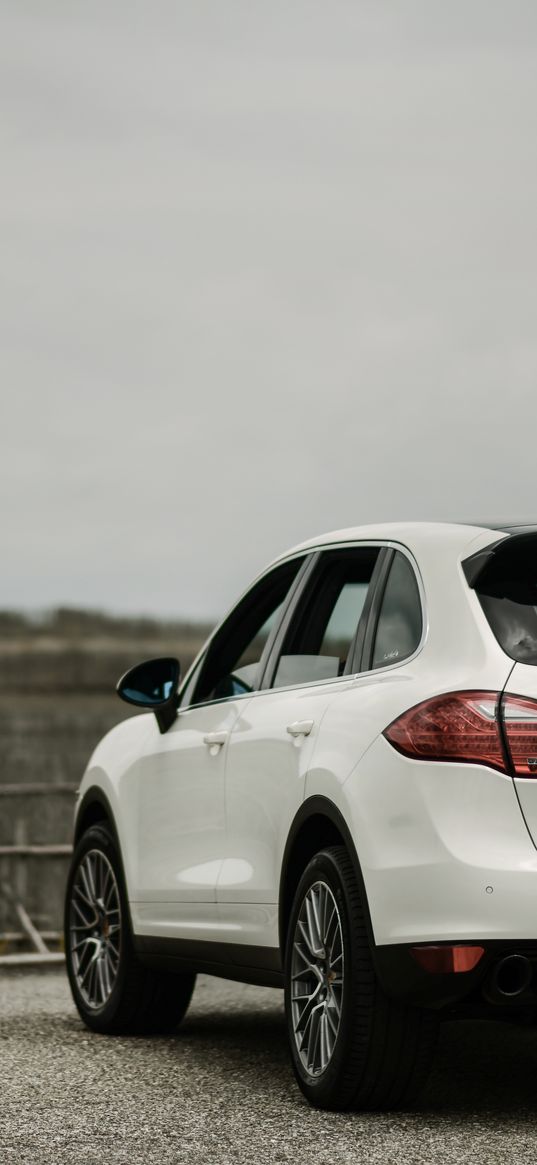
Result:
x=476 y=564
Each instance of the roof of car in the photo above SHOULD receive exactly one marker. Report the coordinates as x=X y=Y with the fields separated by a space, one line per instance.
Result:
x=513 y=527
x=460 y=538
x=404 y=532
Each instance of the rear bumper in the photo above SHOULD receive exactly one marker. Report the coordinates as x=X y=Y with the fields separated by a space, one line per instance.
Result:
x=402 y=978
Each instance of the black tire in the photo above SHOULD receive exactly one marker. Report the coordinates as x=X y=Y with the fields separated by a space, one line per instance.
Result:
x=381 y=1050
x=127 y=997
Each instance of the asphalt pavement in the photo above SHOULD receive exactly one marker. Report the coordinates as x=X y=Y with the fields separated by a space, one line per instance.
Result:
x=220 y=1091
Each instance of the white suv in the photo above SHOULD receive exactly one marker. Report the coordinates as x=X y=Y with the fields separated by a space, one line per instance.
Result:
x=339 y=799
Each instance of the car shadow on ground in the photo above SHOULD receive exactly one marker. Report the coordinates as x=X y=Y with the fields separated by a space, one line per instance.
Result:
x=484 y=1067
x=478 y=1068
x=240 y=1035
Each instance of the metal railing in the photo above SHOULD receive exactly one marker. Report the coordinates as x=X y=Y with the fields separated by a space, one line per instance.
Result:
x=20 y=849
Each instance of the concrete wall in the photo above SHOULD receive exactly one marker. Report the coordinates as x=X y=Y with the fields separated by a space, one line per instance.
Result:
x=56 y=701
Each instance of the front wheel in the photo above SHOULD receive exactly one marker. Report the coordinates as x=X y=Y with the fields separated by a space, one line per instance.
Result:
x=351 y=1046
x=112 y=989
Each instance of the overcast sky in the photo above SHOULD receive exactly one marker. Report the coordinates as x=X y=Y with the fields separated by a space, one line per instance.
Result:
x=267 y=269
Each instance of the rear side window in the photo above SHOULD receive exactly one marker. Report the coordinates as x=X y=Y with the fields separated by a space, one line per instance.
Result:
x=400 y=620
x=507 y=591
x=319 y=643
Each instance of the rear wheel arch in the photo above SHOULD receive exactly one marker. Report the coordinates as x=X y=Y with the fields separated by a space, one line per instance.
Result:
x=351 y=1046
x=318 y=823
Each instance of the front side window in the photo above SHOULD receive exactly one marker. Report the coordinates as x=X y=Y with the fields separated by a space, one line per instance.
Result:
x=232 y=664
x=320 y=640
x=400 y=621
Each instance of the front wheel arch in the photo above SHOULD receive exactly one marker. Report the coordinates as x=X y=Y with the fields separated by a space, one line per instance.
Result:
x=139 y=999
x=94 y=809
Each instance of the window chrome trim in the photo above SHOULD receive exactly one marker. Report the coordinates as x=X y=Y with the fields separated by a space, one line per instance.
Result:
x=351 y=679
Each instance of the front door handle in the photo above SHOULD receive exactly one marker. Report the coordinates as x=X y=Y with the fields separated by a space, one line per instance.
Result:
x=300 y=728
x=215 y=741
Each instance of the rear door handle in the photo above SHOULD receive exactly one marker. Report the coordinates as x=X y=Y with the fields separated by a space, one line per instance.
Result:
x=300 y=728
x=215 y=740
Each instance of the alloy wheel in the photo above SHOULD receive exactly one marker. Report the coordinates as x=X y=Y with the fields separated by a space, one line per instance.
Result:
x=95 y=928
x=317 y=968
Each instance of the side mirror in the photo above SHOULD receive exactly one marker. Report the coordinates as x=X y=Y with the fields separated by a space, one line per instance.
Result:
x=153 y=685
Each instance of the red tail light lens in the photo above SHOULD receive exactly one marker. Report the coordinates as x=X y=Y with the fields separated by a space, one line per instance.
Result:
x=520 y=726
x=458 y=726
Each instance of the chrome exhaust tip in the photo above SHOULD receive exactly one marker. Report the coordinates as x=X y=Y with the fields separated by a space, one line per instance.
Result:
x=511 y=976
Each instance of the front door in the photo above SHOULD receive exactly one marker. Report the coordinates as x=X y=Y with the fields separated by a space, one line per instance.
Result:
x=181 y=823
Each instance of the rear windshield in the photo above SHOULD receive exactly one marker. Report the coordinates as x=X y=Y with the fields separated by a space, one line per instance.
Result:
x=507 y=591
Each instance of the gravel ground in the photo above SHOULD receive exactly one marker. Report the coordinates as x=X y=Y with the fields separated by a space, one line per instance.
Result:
x=220 y=1091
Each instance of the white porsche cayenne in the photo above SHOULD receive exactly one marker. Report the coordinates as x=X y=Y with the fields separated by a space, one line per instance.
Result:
x=340 y=799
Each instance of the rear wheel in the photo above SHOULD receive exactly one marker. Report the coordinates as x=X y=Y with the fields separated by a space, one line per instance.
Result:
x=112 y=989
x=351 y=1046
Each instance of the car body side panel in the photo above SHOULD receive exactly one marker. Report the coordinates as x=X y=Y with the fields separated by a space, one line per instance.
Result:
x=112 y=768
x=430 y=837
x=444 y=850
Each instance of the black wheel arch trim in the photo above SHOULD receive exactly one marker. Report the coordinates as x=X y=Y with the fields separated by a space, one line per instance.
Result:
x=94 y=796
x=319 y=806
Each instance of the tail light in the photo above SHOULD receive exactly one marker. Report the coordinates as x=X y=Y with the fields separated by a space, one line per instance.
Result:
x=459 y=726
x=470 y=728
x=520 y=727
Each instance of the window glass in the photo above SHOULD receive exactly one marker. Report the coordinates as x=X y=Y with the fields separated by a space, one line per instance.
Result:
x=507 y=590
x=186 y=695
x=400 y=621
x=231 y=665
x=318 y=643
x=249 y=659
x=343 y=621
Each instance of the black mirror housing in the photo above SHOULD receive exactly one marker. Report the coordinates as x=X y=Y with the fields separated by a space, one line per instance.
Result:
x=153 y=685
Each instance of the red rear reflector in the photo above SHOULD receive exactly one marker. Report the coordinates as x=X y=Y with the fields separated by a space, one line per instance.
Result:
x=458 y=726
x=448 y=959
x=520 y=725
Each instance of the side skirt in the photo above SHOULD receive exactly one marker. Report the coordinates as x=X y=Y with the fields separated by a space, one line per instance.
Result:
x=258 y=965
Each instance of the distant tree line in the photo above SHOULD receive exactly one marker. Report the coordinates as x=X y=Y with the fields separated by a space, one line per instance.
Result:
x=78 y=623
x=74 y=650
